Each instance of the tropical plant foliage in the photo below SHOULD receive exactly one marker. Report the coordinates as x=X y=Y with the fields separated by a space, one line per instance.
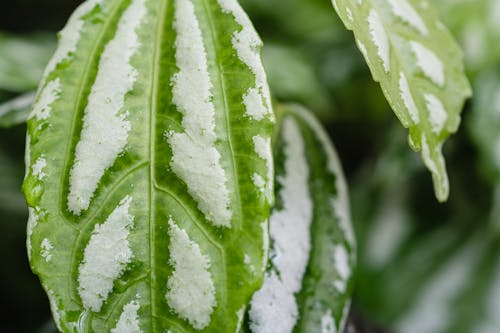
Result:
x=165 y=193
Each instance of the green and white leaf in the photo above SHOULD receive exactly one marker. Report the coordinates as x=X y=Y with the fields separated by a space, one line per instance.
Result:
x=16 y=111
x=22 y=60
x=476 y=24
x=432 y=269
x=419 y=67
x=447 y=281
x=309 y=279
x=149 y=168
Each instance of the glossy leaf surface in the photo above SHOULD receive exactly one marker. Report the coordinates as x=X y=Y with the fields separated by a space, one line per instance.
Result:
x=149 y=174
x=419 y=67
x=309 y=279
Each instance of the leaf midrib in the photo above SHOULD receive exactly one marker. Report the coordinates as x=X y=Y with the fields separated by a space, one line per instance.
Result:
x=154 y=96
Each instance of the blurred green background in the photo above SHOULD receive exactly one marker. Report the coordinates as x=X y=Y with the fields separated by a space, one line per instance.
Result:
x=423 y=267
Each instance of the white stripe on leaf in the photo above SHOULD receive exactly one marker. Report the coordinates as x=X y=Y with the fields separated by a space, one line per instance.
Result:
x=195 y=159
x=128 y=321
x=290 y=233
x=105 y=126
x=191 y=291
x=247 y=44
x=105 y=257
x=48 y=95
x=70 y=35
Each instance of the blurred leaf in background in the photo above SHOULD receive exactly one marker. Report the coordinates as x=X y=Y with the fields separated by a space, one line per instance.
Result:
x=23 y=60
x=27 y=40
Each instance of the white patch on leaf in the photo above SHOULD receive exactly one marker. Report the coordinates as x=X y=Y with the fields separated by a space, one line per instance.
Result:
x=437 y=167
x=388 y=231
x=247 y=43
x=340 y=202
x=341 y=260
x=54 y=309
x=259 y=182
x=328 y=323
x=434 y=306
x=27 y=155
x=105 y=257
x=265 y=244
x=70 y=35
x=129 y=320
x=437 y=113
x=380 y=39
x=45 y=249
x=349 y=14
x=32 y=223
x=407 y=97
x=263 y=149
x=474 y=44
x=273 y=307
x=191 y=291
x=38 y=167
x=240 y=315
x=362 y=48
x=429 y=63
x=105 y=126
x=195 y=158
x=48 y=95
x=407 y=13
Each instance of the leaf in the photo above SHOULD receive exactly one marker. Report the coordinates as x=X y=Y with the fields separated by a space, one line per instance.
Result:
x=485 y=121
x=22 y=60
x=150 y=173
x=11 y=199
x=423 y=267
x=419 y=67
x=309 y=279
x=475 y=24
x=16 y=110
x=292 y=78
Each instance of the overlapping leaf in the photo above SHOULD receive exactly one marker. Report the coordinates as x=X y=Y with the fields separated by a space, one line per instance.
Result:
x=419 y=67
x=424 y=267
x=150 y=173
x=23 y=59
x=309 y=279
x=485 y=121
x=476 y=24
x=16 y=111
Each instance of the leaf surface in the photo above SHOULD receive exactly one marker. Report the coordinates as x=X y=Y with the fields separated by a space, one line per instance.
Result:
x=149 y=174
x=22 y=60
x=309 y=280
x=16 y=111
x=419 y=67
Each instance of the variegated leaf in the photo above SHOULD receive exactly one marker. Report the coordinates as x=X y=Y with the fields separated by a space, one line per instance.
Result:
x=22 y=60
x=476 y=23
x=16 y=111
x=308 y=282
x=419 y=67
x=150 y=172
